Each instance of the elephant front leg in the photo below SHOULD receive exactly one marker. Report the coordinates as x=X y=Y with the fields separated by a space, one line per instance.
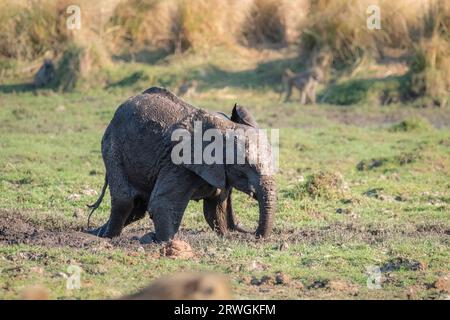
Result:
x=168 y=201
x=215 y=212
x=220 y=215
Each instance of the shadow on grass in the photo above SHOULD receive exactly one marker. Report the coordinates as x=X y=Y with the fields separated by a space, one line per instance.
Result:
x=265 y=75
x=129 y=80
x=384 y=90
x=17 y=88
x=143 y=56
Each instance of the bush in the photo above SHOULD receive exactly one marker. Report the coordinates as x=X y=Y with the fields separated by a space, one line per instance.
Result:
x=77 y=62
x=136 y=23
x=265 y=24
x=411 y=124
x=429 y=74
x=339 y=26
x=378 y=91
x=28 y=31
x=325 y=184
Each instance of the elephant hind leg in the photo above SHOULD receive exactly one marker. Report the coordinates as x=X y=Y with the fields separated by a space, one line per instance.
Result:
x=123 y=194
x=138 y=212
x=120 y=212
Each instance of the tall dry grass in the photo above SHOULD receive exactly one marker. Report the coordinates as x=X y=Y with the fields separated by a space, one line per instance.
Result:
x=429 y=74
x=265 y=24
x=31 y=29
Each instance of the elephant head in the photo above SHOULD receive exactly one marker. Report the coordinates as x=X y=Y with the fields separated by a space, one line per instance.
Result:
x=248 y=168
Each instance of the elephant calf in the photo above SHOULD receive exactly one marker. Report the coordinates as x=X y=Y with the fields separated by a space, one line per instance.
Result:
x=137 y=151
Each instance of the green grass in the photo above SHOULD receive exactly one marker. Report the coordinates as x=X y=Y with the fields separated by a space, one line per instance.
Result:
x=50 y=151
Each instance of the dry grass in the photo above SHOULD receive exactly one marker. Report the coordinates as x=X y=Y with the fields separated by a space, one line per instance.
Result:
x=430 y=64
x=265 y=24
x=30 y=29
x=418 y=30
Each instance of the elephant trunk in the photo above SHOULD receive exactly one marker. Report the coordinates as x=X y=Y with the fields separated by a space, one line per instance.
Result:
x=266 y=195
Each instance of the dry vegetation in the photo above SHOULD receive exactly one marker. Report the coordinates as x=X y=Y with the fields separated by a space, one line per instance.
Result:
x=416 y=33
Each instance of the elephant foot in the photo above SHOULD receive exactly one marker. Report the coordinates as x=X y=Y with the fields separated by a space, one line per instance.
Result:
x=98 y=232
x=148 y=238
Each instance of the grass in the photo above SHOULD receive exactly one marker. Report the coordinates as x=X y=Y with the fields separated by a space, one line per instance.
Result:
x=50 y=162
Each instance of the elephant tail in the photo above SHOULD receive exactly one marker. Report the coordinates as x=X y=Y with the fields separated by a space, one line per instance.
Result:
x=97 y=203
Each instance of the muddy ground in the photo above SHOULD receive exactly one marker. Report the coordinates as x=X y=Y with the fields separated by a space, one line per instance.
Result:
x=18 y=228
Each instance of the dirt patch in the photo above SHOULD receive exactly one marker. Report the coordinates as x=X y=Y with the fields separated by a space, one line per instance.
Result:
x=442 y=284
x=177 y=249
x=16 y=229
x=365 y=165
x=278 y=278
x=282 y=278
x=318 y=284
x=343 y=286
x=46 y=230
x=378 y=193
x=399 y=160
x=399 y=263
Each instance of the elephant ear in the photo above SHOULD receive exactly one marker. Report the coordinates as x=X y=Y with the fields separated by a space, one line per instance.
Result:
x=242 y=115
x=214 y=174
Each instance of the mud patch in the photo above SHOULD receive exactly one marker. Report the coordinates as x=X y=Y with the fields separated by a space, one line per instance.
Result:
x=46 y=230
x=400 y=263
x=16 y=228
x=399 y=160
x=278 y=278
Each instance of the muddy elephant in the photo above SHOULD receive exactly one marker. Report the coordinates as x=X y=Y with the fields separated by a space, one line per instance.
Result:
x=137 y=149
